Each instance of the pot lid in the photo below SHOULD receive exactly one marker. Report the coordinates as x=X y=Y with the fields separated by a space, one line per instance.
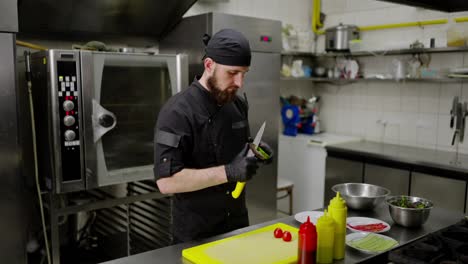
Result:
x=342 y=27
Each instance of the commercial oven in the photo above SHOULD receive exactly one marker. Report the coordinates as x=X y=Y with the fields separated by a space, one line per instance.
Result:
x=95 y=114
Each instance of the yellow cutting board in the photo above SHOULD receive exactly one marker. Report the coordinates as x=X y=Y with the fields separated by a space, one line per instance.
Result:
x=255 y=247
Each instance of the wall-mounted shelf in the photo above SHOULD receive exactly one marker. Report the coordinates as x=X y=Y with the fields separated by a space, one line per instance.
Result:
x=377 y=52
x=297 y=53
x=345 y=81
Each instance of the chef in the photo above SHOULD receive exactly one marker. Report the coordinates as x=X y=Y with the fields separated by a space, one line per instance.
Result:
x=201 y=142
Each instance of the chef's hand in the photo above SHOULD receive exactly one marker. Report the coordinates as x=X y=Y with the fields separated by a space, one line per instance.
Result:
x=268 y=150
x=241 y=168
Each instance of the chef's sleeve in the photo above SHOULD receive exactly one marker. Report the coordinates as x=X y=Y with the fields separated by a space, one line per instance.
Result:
x=171 y=142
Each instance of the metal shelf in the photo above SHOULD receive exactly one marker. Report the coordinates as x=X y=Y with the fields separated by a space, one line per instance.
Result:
x=298 y=53
x=377 y=52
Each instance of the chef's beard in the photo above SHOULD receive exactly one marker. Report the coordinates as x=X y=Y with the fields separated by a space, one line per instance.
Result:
x=222 y=97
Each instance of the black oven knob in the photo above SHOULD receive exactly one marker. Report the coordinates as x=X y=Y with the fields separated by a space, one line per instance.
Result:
x=70 y=135
x=68 y=120
x=106 y=120
x=68 y=105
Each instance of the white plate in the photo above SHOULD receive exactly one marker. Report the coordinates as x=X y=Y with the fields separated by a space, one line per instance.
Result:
x=370 y=243
x=459 y=70
x=314 y=215
x=355 y=221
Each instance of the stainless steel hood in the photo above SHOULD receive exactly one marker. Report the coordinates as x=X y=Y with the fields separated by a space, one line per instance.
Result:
x=153 y=18
x=439 y=5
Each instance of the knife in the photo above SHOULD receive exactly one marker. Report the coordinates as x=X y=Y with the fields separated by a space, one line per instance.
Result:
x=253 y=146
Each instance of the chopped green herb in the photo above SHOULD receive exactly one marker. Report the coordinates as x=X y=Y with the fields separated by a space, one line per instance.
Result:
x=406 y=203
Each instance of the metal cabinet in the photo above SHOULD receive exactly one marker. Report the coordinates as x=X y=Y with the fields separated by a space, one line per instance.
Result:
x=443 y=192
x=396 y=180
x=341 y=171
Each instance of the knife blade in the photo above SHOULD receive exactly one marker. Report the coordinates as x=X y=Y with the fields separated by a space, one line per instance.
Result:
x=258 y=137
x=453 y=111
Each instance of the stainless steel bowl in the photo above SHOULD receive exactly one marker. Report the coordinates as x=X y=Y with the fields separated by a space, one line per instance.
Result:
x=409 y=217
x=361 y=196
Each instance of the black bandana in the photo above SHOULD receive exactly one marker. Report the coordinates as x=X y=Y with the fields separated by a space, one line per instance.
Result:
x=228 y=47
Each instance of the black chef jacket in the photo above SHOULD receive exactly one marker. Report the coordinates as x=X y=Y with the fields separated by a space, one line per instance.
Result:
x=193 y=132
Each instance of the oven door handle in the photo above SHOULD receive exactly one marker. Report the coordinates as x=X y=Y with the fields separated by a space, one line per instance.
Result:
x=103 y=121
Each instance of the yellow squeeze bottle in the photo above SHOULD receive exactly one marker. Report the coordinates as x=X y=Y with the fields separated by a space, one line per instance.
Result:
x=338 y=211
x=325 y=238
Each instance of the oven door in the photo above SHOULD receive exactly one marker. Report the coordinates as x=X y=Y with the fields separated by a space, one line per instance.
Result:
x=122 y=96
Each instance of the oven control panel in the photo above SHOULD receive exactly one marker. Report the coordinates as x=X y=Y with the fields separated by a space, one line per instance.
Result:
x=68 y=92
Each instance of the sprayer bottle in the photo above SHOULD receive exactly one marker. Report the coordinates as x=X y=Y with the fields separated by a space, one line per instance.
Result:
x=338 y=211
x=325 y=238
x=307 y=243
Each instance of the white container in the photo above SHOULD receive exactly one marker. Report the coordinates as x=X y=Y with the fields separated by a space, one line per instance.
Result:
x=301 y=160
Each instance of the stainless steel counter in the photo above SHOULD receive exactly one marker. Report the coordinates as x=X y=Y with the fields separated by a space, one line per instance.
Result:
x=413 y=158
x=438 y=219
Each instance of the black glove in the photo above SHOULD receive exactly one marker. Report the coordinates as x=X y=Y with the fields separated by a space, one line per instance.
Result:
x=241 y=168
x=268 y=150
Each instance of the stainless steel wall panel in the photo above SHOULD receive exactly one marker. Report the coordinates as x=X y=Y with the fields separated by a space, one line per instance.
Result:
x=443 y=192
x=8 y=16
x=253 y=28
x=397 y=181
x=12 y=205
x=340 y=171
x=262 y=89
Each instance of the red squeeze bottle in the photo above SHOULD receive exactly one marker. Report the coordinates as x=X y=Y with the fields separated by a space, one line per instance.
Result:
x=307 y=243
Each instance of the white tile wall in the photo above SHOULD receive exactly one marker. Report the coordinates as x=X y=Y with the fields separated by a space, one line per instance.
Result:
x=303 y=89
x=410 y=97
x=372 y=12
x=334 y=6
x=358 y=123
x=408 y=129
x=374 y=126
x=426 y=130
x=444 y=133
x=447 y=93
x=407 y=113
x=415 y=114
x=429 y=98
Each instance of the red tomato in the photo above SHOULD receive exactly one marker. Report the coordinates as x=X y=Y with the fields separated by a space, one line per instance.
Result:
x=287 y=236
x=278 y=232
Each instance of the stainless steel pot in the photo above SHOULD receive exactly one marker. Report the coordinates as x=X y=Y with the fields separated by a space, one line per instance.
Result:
x=337 y=38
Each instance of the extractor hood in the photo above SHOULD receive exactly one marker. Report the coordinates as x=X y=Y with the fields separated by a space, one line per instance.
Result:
x=439 y=5
x=152 y=18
